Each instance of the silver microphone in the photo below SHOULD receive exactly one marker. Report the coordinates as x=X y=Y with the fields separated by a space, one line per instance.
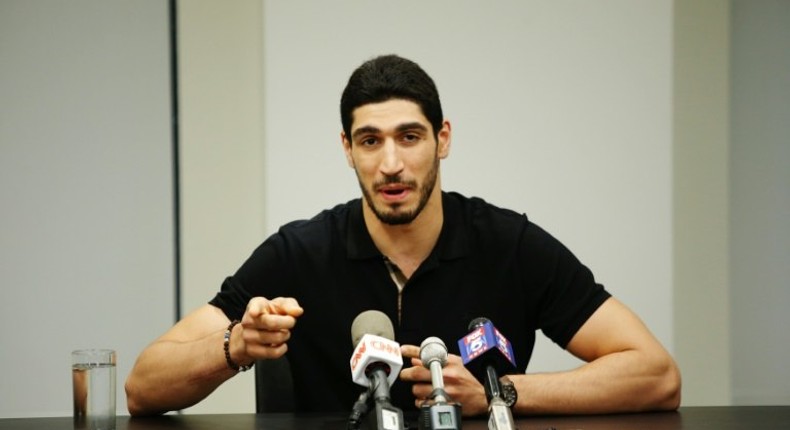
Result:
x=433 y=354
x=438 y=412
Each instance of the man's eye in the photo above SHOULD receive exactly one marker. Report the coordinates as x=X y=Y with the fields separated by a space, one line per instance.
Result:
x=369 y=141
x=411 y=137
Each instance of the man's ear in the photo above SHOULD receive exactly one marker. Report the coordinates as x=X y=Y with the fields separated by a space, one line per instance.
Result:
x=347 y=148
x=444 y=137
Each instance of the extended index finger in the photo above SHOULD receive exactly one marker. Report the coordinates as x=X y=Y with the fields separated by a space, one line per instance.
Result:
x=258 y=306
x=271 y=314
x=286 y=306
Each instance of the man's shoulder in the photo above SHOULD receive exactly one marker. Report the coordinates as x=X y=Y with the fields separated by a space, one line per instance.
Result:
x=335 y=217
x=480 y=210
x=324 y=231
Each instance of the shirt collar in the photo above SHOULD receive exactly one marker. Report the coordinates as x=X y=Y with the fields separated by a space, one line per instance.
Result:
x=453 y=239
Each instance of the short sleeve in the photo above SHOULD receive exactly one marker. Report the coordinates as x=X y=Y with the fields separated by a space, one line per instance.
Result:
x=565 y=289
x=262 y=274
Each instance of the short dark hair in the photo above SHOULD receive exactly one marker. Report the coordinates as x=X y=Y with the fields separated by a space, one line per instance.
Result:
x=390 y=77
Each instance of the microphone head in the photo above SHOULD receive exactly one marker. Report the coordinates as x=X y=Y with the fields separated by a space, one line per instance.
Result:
x=371 y=322
x=374 y=347
x=477 y=322
x=433 y=349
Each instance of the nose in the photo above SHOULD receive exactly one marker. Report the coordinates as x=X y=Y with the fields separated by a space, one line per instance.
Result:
x=391 y=162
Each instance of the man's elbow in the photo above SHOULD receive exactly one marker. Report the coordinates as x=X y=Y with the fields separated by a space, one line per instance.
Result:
x=669 y=388
x=132 y=400
x=135 y=400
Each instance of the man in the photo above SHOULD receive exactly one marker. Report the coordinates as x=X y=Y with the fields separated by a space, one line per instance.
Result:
x=432 y=261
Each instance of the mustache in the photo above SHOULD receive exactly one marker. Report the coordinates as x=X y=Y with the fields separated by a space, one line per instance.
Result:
x=395 y=179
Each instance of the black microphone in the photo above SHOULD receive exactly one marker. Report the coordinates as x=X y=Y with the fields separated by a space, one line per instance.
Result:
x=487 y=353
x=375 y=364
x=437 y=412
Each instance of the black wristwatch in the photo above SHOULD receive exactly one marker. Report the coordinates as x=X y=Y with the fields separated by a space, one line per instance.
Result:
x=509 y=393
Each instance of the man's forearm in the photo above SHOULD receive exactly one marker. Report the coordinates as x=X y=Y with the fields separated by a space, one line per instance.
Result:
x=171 y=375
x=627 y=381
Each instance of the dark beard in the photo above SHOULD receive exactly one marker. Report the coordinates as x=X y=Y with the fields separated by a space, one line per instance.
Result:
x=395 y=218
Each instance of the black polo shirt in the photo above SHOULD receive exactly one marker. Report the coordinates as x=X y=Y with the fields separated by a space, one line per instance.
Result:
x=488 y=262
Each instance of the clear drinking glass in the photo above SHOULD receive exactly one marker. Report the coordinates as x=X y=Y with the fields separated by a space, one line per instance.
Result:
x=93 y=376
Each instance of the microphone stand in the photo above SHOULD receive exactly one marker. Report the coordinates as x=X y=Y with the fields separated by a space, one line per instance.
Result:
x=500 y=417
x=438 y=413
x=360 y=408
x=384 y=415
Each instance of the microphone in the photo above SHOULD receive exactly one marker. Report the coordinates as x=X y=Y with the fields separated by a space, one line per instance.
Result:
x=433 y=354
x=441 y=414
x=486 y=353
x=375 y=364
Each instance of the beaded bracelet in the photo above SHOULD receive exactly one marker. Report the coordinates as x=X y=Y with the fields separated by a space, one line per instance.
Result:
x=226 y=347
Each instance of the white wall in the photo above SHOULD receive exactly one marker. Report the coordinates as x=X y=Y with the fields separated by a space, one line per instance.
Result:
x=566 y=110
x=86 y=230
x=561 y=110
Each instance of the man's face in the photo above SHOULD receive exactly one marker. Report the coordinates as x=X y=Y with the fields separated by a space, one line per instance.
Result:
x=395 y=155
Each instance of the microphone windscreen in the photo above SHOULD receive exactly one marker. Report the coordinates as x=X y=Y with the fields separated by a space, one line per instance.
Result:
x=433 y=349
x=371 y=322
x=477 y=322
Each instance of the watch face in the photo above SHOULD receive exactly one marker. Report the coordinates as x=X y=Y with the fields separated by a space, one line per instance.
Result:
x=508 y=392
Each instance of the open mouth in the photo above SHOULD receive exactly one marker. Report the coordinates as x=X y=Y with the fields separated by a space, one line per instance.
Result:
x=393 y=191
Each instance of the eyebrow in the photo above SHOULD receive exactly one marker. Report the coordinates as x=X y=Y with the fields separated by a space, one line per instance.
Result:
x=400 y=129
x=364 y=130
x=411 y=126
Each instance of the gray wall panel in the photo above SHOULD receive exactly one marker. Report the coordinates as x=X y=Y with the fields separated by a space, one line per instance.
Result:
x=86 y=234
x=760 y=202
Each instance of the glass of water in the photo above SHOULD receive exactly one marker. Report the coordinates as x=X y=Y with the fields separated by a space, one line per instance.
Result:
x=93 y=376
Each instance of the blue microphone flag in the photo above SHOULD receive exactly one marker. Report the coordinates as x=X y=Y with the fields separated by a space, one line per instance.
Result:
x=483 y=339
